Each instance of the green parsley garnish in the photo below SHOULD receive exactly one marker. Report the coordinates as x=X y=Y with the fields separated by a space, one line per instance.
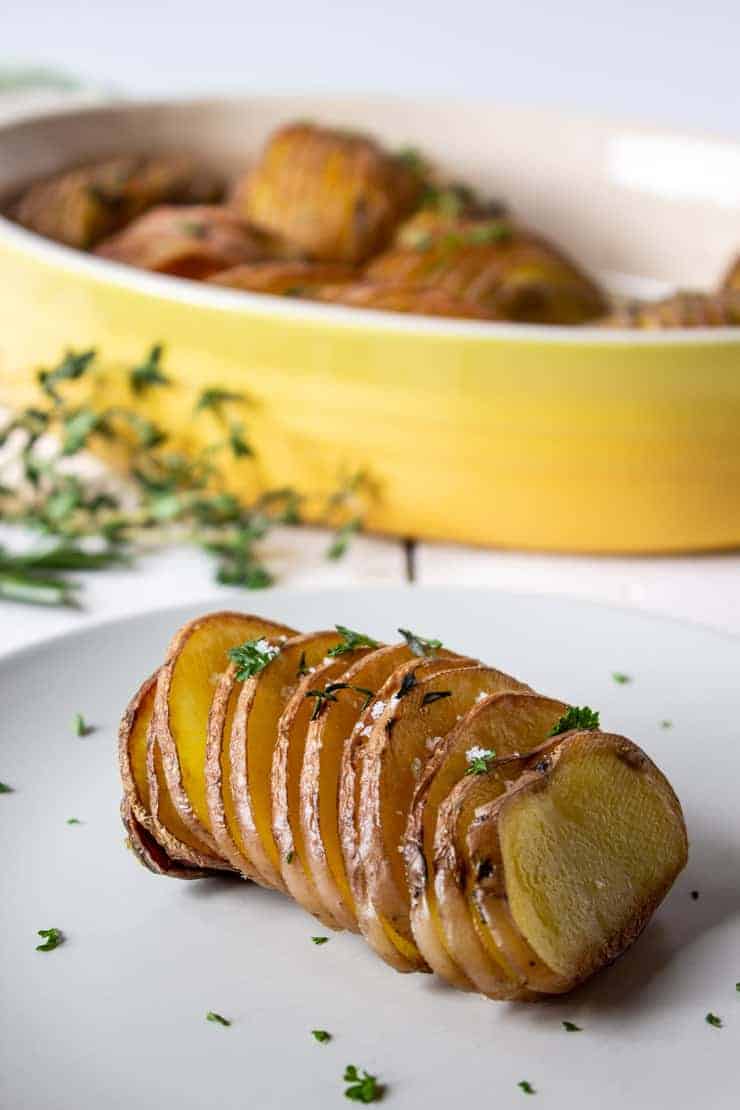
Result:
x=666 y=724
x=712 y=1019
x=251 y=657
x=5 y=789
x=211 y=1016
x=53 y=938
x=350 y=641
x=363 y=1088
x=496 y=231
x=290 y=856
x=329 y=693
x=321 y=1035
x=479 y=760
x=621 y=678
x=435 y=695
x=73 y=821
x=340 y=543
x=695 y=895
x=303 y=670
x=81 y=728
x=577 y=716
x=214 y=399
x=418 y=645
x=408 y=682
x=737 y=986
x=571 y=1027
x=148 y=373
x=526 y=1086
x=320 y=940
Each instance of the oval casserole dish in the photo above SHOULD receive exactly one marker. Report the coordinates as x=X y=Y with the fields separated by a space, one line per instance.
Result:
x=551 y=438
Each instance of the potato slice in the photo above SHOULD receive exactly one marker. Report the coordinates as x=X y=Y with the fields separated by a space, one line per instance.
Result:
x=149 y=852
x=196 y=657
x=287 y=828
x=405 y=731
x=283 y=278
x=581 y=852
x=427 y=663
x=399 y=297
x=501 y=725
x=732 y=277
x=254 y=736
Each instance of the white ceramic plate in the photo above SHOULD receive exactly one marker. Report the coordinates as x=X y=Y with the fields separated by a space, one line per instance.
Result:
x=116 y=1016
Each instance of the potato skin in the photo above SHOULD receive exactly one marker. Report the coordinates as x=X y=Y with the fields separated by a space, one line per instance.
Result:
x=191 y=242
x=397 y=297
x=150 y=853
x=732 y=277
x=284 y=278
x=335 y=195
x=79 y=207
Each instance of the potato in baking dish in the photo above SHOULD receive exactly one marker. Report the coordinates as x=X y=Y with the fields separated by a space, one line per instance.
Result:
x=732 y=278
x=335 y=195
x=192 y=241
x=82 y=206
x=289 y=278
x=682 y=310
x=502 y=269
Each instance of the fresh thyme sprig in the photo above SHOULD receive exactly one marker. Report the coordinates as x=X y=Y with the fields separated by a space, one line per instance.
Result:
x=167 y=496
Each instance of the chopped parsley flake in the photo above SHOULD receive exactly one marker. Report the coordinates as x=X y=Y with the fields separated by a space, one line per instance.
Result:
x=350 y=641
x=435 y=695
x=621 y=678
x=320 y=940
x=571 y=1027
x=712 y=1019
x=321 y=1035
x=363 y=1088
x=408 y=682
x=666 y=724
x=526 y=1086
x=577 y=716
x=217 y=1018
x=73 y=821
x=251 y=657
x=695 y=895
x=290 y=856
x=418 y=645
x=52 y=939
x=149 y=372
x=479 y=760
x=81 y=728
x=5 y=789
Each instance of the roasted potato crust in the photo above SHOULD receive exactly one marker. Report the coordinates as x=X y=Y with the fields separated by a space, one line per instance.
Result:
x=82 y=206
x=288 y=279
x=336 y=195
x=389 y=297
x=682 y=310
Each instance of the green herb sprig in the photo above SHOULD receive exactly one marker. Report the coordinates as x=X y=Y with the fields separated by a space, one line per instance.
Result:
x=217 y=1019
x=418 y=645
x=321 y=1036
x=350 y=641
x=52 y=939
x=576 y=717
x=362 y=1088
x=251 y=657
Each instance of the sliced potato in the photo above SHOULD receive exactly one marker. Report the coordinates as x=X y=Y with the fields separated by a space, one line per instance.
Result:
x=285 y=278
x=287 y=827
x=499 y=726
x=254 y=736
x=196 y=657
x=149 y=852
x=191 y=242
x=399 y=297
x=684 y=309
x=581 y=852
x=132 y=732
x=732 y=277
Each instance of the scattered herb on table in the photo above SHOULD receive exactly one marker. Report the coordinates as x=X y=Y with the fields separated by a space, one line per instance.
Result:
x=737 y=986
x=712 y=1019
x=251 y=657
x=166 y=495
x=73 y=821
x=479 y=760
x=217 y=1018
x=52 y=939
x=319 y=940
x=571 y=1027
x=5 y=789
x=81 y=728
x=321 y=1035
x=666 y=724
x=526 y=1086
x=577 y=716
x=418 y=645
x=363 y=1088
x=435 y=695
x=621 y=678
x=350 y=641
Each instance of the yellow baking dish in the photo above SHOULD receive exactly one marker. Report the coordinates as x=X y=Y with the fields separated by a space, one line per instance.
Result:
x=566 y=439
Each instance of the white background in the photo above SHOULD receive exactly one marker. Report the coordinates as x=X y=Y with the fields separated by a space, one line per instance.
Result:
x=661 y=60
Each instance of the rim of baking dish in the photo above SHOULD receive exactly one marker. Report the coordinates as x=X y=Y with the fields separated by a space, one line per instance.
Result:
x=296 y=310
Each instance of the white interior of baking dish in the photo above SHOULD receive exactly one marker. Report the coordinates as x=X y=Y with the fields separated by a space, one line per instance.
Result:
x=645 y=210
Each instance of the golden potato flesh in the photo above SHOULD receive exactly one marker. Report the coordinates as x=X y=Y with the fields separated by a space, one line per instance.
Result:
x=335 y=195
x=682 y=310
x=499 y=726
x=500 y=269
x=82 y=206
x=583 y=850
x=192 y=241
x=405 y=732
x=290 y=279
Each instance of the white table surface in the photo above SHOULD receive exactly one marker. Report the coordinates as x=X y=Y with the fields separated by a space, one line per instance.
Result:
x=703 y=589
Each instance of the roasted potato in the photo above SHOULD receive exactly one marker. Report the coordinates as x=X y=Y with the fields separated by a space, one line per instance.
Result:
x=732 y=277
x=291 y=279
x=502 y=270
x=427 y=799
x=499 y=726
x=682 y=310
x=401 y=298
x=192 y=242
x=335 y=195
x=82 y=206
